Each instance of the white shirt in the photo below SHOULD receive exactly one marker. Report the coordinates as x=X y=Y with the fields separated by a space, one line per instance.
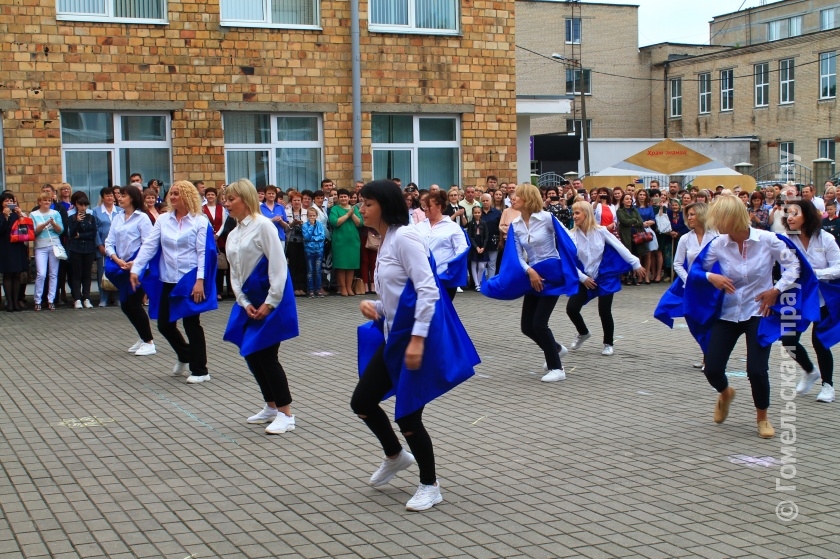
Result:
x=445 y=240
x=819 y=203
x=403 y=256
x=253 y=238
x=823 y=254
x=182 y=244
x=689 y=247
x=535 y=241
x=751 y=272
x=590 y=250
x=127 y=234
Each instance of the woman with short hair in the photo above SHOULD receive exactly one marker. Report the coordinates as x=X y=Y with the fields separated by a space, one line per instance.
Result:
x=296 y=217
x=345 y=220
x=48 y=229
x=630 y=222
x=82 y=237
x=14 y=256
x=446 y=242
x=759 y=217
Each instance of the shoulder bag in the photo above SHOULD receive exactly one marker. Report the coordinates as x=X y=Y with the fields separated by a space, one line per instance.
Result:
x=374 y=240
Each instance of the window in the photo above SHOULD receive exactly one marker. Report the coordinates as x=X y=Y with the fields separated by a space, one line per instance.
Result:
x=828 y=75
x=125 y=11
x=786 y=155
x=784 y=28
x=762 y=84
x=573 y=126
x=438 y=17
x=828 y=18
x=573 y=82
x=786 y=81
x=285 y=150
x=827 y=150
x=271 y=13
x=705 y=88
x=572 y=31
x=422 y=149
x=103 y=149
x=727 y=90
x=676 y=97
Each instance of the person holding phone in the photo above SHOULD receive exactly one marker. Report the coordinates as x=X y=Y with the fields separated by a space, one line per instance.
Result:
x=48 y=229
x=296 y=216
x=14 y=257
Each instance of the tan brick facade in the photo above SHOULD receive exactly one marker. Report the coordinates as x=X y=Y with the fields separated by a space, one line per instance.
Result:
x=194 y=68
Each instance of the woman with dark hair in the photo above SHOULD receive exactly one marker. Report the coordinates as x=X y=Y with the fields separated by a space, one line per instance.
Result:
x=104 y=213
x=401 y=361
x=274 y=211
x=447 y=243
x=296 y=217
x=804 y=229
x=82 y=240
x=14 y=257
x=669 y=244
x=631 y=222
x=216 y=214
x=345 y=219
x=759 y=217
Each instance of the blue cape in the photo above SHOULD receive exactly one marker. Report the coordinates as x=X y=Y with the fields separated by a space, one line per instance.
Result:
x=456 y=274
x=828 y=330
x=609 y=273
x=120 y=277
x=181 y=303
x=281 y=324
x=671 y=303
x=448 y=358
x=559 y=274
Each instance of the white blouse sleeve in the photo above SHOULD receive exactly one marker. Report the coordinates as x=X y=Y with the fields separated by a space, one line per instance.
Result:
x=412 y=255
x=151 y=244
x=832 y=256
x=201 y=245
x=622 y=250
x=679 y=257
x=277 y=268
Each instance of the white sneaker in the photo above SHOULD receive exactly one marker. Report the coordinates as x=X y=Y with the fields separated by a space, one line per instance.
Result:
x=391 y=467
x=697 y=365
x=180 y=368
x=807 y=381
x=579 y=339
x=608 y=350
x=426 y=497
x=826 y=394
x=281 y=424
x=554 y=375
x=136 y=346
x=88 y=304
x=478 y=288
x=561 y=353
x=146 y=349
x=459 y=290
x=267 y=415
x=77 y=304
x=196 y=379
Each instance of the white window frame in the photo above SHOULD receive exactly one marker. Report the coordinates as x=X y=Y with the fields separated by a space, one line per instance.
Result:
x=108 y=15
x=266 y=23
x=704 y=87
x=727 y=85
x=416 y=144
x=274 y=144
x=573 y=124
x=784 y=28
x=761 y=73
x=571 y=39
x=825 y=146
x=411 y=27
x=787 y=155
x=828 y=18
x=676 y=97
x=578 y=80
x=827 y=76
x=787 y=81
x=794 y=26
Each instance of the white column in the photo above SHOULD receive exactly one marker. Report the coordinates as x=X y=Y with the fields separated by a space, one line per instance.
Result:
x=523 y=148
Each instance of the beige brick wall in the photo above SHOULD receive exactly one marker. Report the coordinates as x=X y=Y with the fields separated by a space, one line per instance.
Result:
x=749 y=27
x=193 y=64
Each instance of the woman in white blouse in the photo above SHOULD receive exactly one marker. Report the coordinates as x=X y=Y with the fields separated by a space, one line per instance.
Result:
x=590 y=240
x=181 y=236
x=128 y=229
x=804 y=226
x=444 y=238
x=48 y=229
x=255 y=238
x=402 y=257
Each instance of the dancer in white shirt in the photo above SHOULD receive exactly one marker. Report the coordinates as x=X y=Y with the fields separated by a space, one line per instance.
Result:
x=444 y=238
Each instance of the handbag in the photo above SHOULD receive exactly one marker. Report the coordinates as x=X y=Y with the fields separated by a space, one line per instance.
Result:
x=374 y=240
x=23 y=230
x=654 y=243
x=359 y=286
x=58 y=250
x=221 y=261
x=106 y=284
x=663 y=224
x=642 y=237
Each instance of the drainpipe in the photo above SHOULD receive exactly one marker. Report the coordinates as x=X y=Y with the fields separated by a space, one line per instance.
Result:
x=357 y=89
x=667 y=102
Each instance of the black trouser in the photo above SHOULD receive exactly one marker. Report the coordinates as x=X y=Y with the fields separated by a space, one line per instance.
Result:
x=824 y=357
x=536 y=311
x=722 y=341
x=11 y=286
x=373 y=385
x=576 y=303
x=270 y=375
x=451 y=291
x=194 y=353
x=63 y=273
x=133 y=309
x=80 y=266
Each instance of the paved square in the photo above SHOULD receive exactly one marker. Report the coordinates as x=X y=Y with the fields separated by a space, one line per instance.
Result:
x=104 y=454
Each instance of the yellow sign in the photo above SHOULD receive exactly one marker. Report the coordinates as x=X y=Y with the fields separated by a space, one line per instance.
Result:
x=668 y=157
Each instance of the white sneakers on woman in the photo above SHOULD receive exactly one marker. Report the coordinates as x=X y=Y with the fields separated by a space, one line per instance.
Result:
x=425 y=498
x=136 y=346
x=267 y=415
x=554 y=375
x=146 y=349
x=807 y=381
x=391 y=467
x=826 y=394
x=281 y=424
x=579 y=339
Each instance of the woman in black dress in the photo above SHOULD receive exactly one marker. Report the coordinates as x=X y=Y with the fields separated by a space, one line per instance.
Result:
x=14 y=257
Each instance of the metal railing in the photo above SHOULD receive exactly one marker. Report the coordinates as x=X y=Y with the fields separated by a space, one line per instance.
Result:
x=782 y=173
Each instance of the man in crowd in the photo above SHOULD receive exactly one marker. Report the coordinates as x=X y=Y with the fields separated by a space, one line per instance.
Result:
x=469 y=202
x=490 y=183
x=808 y=195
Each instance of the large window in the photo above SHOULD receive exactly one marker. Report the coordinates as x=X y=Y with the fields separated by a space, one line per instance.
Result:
x=103 y=149
x=575 y=81
x=786 y=90
x=573 y=31
x=573 y=126
x=423 y=149
x=126 y=11
x=828 y=75
x=762 y=84
x=786 y=153
x=439 y=17
x=784 y=28
x=826 y=149
x=828 y=18
x=676 y=97
x=284 y=150
x=271 y=13
x=705 y=88
x=727 y=90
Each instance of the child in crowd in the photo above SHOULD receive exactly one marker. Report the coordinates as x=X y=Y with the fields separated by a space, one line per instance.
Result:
x=479 y=237
x=313 y=246
x=831 y=224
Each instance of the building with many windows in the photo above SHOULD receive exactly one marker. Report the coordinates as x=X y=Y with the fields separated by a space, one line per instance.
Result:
x=774 y=21
x=94 y=90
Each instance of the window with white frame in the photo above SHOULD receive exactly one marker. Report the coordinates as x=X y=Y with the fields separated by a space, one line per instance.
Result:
x=438 y=17
x=271 y=13
x=828 y=18
x=784 y=28
x=705 y=88
x=104 y=148
x=125 y=11
x=727 y=90
x=676 y=97
x=786 y=153
x=573 y=31
x=828 y=75
x=762 y=84
x=424 y=149
x=281 y=149
x=786 y=90
x=573 y=126
x=826 y=149
x=577 y=81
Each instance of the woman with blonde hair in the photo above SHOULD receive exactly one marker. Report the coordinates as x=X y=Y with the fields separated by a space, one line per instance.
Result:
x=184 y=239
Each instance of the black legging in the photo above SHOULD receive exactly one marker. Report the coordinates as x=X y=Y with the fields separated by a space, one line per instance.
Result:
x=536 y=311
x=451 y=291
x=11 y=286
x=80 y=267
x=576 y=303
x=270 y=375
x=724 y=336
x=373 y=385
x=194 y=353
x=133 y=309
x=824 y=357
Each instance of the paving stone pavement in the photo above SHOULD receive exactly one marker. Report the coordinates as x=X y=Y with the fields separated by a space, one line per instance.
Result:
x=104 y=454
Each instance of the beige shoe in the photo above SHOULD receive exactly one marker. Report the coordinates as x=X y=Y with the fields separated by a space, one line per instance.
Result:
x=722 y=407
x=765 y=430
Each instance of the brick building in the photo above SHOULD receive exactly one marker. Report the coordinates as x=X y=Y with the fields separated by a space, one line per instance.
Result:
x=93 y=90
x=773 y=21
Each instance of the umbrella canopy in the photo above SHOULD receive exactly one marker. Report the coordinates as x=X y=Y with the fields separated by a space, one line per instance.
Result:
x=667 y=158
